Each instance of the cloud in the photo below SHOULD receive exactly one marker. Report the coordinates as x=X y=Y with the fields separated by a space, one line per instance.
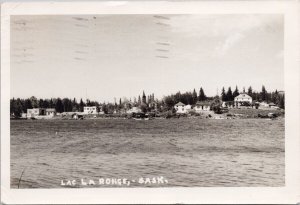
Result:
x=229 y=42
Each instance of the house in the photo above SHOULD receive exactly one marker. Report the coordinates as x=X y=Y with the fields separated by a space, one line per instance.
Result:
x=134 y=110
x=243 y=99
x=182 y=108
x=90 y=110
x=179 y=107
x=35 y=112
x=51 y=112
x=202 y=106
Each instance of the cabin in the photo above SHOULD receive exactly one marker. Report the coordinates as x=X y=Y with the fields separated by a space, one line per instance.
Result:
x=182 y=108
x=179 y=107
x=90 y=110
x=35 y=112
x=243 y=99
x=51 y=112
x=202 y=106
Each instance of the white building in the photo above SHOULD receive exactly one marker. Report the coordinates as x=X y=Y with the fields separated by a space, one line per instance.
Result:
x=242 y=99
x=182 y=108
x=202 y=106
x=34 y=112
x=90 y=110
x=51 y=112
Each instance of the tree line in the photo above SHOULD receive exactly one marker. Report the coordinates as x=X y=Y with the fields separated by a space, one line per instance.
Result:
x=147 y=103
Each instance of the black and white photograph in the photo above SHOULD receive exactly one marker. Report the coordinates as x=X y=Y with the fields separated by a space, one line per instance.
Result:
x=147 y=100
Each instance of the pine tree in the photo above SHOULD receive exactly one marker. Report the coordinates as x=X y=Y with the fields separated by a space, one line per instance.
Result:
x=236 y=92
x=144 y=97
x=281 y=102
x=27 y=104
x=51 y=104
x=41 y=103
x=202 y=96
x=263 y=94
x=223 y=95
x=18 y=108
x=250 y=91
x=194 y=96
x=229 y=95
x=59 y=105
x=275 y=97
x=81 y=105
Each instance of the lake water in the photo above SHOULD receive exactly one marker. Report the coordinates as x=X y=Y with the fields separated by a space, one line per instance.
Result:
x=185 y=152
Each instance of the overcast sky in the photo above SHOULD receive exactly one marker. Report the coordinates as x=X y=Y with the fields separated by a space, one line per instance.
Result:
x=107 y=56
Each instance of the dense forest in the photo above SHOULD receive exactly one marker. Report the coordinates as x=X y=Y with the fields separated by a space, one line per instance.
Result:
x=146 y=103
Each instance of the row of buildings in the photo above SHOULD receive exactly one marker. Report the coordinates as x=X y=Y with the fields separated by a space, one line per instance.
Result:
x=243 y=100
x=51 y=112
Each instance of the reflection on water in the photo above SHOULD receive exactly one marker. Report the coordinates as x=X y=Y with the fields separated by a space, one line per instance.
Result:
x=187 y=152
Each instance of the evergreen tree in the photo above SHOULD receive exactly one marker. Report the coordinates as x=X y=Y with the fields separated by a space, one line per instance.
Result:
x=27 y=104
x=263 y=94
x=59 y=105
x=281 y=102
x=229 y=95
x=41 y=103
x=18 y=108
x=46 y=103
x=75 y=105
x=51 y=104
x=144 y=97
x=250 y=91
x=139 y=100
x=236 y=92
x=105 y=108
x=81 y=105
x=65 y=104
x=194 y=97
x=202 y=96
x=223 y=95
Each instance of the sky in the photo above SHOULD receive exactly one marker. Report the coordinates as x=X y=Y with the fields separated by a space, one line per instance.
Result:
x=102 y=57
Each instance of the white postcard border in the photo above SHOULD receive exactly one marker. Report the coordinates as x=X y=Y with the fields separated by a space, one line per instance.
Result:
x=288 y=194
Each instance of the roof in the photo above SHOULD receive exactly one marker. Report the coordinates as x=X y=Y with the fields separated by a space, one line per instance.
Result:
x=203 y=103
x=243 y=95
x=180 y=104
